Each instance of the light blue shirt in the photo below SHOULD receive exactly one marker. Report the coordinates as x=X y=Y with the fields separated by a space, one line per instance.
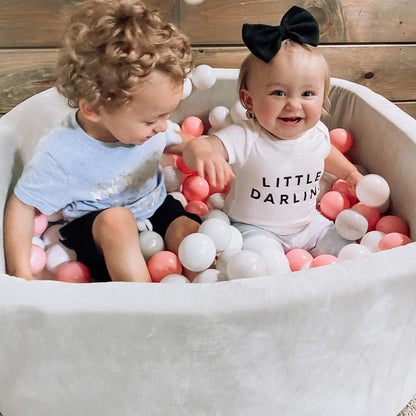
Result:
x=72 y=171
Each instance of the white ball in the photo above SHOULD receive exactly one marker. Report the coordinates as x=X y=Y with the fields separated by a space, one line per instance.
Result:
x=259 y=242
x=203 y=77
x=238 y=112
x=175 y=279
x=219 y=117
x=351 y=224
x=38 y=242
x=245 y=264
x=275 y=261
x=223 y=258
x=218 y=231
x=150 y=243
x=180 y=197
x=373 y=190
x=351 y=251
x=236 y=239
x=58 y=254
x=216 y=213
x=216 y=201
x=173 y=178
x=371 y=240
x=193 y=2
x=51 y=235
x=187 y=88
x=196 y=252
x=209 y=276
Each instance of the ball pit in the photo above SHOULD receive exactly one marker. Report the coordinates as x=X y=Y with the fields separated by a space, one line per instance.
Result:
x=336 y=339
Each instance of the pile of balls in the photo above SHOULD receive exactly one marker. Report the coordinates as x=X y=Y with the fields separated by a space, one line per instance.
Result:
x=217 y=251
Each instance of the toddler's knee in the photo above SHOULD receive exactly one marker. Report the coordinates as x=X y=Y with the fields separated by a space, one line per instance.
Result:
x=113 y=220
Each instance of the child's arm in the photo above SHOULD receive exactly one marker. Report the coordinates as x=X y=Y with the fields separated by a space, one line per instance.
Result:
x=208 y=156
x=18 y=233
x=337 y=164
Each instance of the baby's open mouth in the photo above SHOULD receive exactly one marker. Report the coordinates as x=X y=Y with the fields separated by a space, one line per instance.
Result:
x=291 y=119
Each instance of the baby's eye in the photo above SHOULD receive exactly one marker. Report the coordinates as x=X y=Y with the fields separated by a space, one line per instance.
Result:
x=149 y=123
x=307 y=94
x=278 y=93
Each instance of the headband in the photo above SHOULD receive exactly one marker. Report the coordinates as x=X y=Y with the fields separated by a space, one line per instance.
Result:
x=297 y=25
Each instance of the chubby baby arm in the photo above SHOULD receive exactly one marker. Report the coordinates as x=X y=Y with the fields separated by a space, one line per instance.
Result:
x=338 y=165
x=208 y=156
x=18 y=233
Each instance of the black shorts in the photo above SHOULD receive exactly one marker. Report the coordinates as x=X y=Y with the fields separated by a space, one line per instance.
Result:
x=77 y=235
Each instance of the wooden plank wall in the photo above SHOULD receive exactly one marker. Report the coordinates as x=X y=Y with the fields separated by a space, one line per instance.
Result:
x=370 y=42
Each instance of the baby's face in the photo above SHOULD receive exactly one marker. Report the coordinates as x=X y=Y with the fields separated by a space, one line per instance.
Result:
x=146 y=115
x=286 y=95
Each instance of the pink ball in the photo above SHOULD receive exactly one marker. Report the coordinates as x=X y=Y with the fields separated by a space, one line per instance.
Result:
x=41 y=223
x=341 y=139
x=323 y=260
x=73 y=272
x=392 y=240
x=345 y=188
x=372 y=214
x=392 y=224
x=180 y=164
x=332 y=203
x=297 y=257
x=193 y=125
x=195 y=188
x=37 y=259
x=197 y=207
x=162 y=264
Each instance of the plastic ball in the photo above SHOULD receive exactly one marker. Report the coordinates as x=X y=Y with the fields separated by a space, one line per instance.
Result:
x=371 y=214
x=216 y=201
x=72 y=272
x=392 y=240
x=163 y=263
x=245 y=264
x=219 y=232
x=37 y=259
x=216 y=213
x=58 y=254
x=325 y=185
x=371 y=239
x=259 y=242
x=392 y=224
x=39 y=242
x=351 y=224
x=297 y=258
x=187 y=88
x=341 y=139
x=41 y=222
x=221 y=263
x=173 y=178
x=195 y=188
x=150 y=243
x=332 y=203
x=345 y=188
x=197 y=252
x=236 y=239
x=203 y=77
x=219 y=117
x=193 y=125
x=209 y=276
x=323 y=260
x=238 y=112
x=373 y=190
x=179 y=197
x=351 y=251
x=275 y=261
x=180 y=164
x=197 y=207
x=175 y=279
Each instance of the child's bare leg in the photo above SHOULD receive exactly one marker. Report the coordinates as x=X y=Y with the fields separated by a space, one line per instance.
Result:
x=116 y=235
x=176 y=232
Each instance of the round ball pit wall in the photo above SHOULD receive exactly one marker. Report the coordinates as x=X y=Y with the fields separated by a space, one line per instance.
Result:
x=336 y=340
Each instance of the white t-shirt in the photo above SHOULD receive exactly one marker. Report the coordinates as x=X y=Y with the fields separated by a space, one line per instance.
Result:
x=276 y=181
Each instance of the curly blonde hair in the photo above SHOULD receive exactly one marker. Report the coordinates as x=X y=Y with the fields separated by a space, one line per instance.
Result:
x=109 y=46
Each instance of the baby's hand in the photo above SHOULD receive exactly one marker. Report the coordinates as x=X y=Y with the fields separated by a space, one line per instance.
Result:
x=354 y=177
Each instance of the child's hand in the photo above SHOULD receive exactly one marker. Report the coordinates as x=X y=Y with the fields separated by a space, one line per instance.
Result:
x=354 y=177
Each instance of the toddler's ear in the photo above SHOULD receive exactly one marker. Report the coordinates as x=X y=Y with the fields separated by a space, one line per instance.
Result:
x=246 y=100
x=88 y=111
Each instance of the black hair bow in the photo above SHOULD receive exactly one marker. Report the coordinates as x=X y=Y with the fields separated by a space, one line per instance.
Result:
x=264 y=41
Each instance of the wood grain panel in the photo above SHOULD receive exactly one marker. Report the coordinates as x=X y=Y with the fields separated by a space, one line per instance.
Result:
x=409 y=107
x=219 y=22
x=38 y=23
x=389 y=70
